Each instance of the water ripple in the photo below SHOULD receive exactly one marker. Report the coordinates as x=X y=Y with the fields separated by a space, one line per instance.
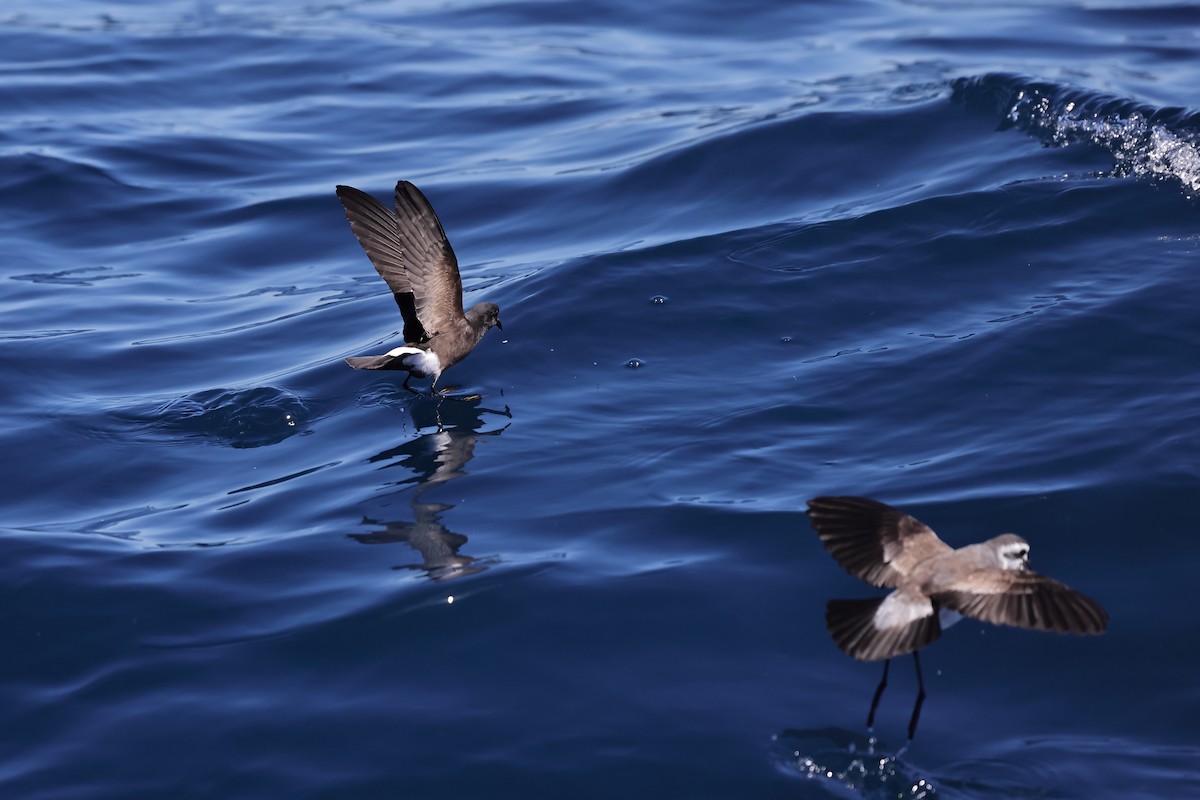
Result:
x=81 y=276
x=241 y=418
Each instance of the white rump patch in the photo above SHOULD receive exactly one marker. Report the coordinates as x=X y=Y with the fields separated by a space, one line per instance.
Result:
x=417 y=360
x=899 y=609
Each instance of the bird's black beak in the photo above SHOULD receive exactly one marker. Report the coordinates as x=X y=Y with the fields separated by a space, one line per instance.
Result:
x=498 y=325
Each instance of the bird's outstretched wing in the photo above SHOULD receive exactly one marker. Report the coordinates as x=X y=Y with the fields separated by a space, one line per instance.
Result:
x=871 y=540
x=1024 y=599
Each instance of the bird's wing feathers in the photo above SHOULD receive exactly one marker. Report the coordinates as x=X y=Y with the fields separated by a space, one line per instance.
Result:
x=430 y=261
x=1024 y=599
x=411 y=253
x=374 y=225
x=872 y=541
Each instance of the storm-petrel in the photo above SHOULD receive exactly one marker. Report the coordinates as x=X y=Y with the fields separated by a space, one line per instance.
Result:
x=409 y=250
x=933 y=585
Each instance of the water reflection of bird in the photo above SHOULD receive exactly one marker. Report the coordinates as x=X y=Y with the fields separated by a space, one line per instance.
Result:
x=427 y=535
x=435 y=459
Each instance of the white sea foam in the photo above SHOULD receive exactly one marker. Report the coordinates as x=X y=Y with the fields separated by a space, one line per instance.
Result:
x=1141 y=148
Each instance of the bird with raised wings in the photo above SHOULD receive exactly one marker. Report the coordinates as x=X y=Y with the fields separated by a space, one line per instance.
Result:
x=409 y=250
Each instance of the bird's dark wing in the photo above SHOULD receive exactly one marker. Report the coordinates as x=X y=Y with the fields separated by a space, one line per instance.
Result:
x=1024 y=599
x=432 y=267
x=375 y=227
x=872 y=541
x=852 y=625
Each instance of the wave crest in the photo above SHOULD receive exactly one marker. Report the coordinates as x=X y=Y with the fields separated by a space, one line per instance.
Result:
x=1145 y=141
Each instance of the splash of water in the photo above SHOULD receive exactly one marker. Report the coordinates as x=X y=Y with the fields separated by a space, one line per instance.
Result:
x=1146 y=142
x=843 y=762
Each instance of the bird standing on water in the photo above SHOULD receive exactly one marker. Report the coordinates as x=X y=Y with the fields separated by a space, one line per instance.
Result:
x=411 y=253
x=933 y=586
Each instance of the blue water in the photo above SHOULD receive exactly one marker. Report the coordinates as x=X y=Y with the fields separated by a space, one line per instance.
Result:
x=934 y=253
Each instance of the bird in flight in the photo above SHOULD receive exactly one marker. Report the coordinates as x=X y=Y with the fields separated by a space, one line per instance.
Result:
x=933 y=586
x=411 y=253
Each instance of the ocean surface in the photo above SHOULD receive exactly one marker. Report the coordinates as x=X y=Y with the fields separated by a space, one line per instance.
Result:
x=941 y=254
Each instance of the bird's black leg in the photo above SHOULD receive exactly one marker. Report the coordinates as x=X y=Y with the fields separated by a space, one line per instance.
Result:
x=916 y=715
x=878 y=694
x=408 y=378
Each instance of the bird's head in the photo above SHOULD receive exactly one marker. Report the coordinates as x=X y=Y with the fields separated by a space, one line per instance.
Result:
x=485 y=316
x=1012 y=551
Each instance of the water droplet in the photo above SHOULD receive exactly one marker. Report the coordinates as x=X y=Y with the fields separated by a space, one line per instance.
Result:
x=786 y=339
x=659 y=299
x=635 y=363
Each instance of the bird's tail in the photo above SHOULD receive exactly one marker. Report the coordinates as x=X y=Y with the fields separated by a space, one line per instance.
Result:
x=370 y=362
x=852 y=625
